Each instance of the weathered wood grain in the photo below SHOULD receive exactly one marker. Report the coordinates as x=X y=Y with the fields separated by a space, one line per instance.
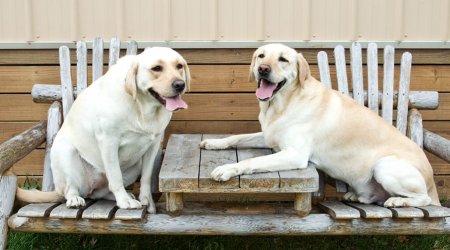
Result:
x=97 y=58
x=114 y=50
x=210 y=159
x=388 y=84
x=415 y=127
x=180 y=167
x=37 y=209
x=63 y=212
x=101 y=209
x=371 y=211
x=341 y=69
x=302 y=204
x=437 y=145
x=372 y=77
x=339 y=210
x=357 y=73
x=21 y=145
x=66 y=79
x=174 y=203
x=82 y=72
x=407 y=212
x=324 y=68
x=435 y=211
x=402 y=109
x=263 y=225
x=130 y=214
x=132 y=47
x=266 y=181
x=8 y=186
x=54 y=122
x=299 y=180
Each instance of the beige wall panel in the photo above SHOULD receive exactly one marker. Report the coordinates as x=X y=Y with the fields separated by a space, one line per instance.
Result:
x=333 y=20
x=240 y=20
x=15 y=20
x=193 y=20
x=53 y=19
x=146 y=20
x=425 y=19
x=379 y=20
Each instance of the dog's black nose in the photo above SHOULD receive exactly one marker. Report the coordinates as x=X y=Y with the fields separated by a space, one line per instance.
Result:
x=264 y=69
x=178 y=85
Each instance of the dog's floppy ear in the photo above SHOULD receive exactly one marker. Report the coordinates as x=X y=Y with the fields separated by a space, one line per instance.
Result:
x=130 y=80
x=251 y=76
x=187 y=76
x=303 y=69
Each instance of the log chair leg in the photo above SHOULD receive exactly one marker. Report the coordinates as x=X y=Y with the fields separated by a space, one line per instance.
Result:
x=7 y=195
x=174 y=203
x=302 y=204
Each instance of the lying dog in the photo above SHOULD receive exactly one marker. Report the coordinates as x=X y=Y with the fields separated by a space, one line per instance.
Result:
x=114 y=129
x=305 y=121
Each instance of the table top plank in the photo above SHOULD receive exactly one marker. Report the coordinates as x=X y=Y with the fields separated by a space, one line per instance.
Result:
x=269 y=181
x=210 y=159
x=180 y=167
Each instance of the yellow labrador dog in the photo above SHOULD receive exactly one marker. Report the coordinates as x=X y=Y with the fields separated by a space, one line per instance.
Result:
x=305 y=121
x=113 y=131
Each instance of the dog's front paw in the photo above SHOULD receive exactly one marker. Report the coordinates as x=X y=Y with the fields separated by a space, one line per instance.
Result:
x=148 y=201
x=75 y=202
x=350 y=196
x=128 y=203
x=214 y=144
x=225 y=172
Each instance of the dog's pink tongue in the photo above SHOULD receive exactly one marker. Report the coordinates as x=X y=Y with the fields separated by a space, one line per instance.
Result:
x=265 y=89
x=175 y=103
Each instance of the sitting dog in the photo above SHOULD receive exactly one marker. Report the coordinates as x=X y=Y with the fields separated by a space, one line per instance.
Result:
x=305 y=121
x=114 y=129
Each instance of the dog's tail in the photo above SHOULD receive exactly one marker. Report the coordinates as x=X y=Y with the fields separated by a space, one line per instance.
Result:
x=36 y=196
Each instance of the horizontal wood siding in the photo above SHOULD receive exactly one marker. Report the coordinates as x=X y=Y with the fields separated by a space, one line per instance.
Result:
x=221 y=100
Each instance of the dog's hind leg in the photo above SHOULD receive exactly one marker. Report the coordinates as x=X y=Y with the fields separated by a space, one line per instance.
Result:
x=69 y=173
x=402 y=181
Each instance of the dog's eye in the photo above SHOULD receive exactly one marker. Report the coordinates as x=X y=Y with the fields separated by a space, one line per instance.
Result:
x=282 y=59
x=261 y=55
x=179 y=66
x=157 y=68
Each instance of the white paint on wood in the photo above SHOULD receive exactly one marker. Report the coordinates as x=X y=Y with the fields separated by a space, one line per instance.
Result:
x=403 y=92
x=37 y=209
x=339 y=210
x=415 y=127
x=81 y=66
x=114 y=50
x=270 y=180
x=63 y=212
x=97 y=58
x=407 y=212
x=388 y=84
x=341 y=69
x=130 y=214
x=132 y=47
x=324 y=68
x=370 y=211
x=66 y=79
x=54 y=122
x=357 y=73
x=102 y=209
x=437 y=145
x=372 y=77
x=7 y=194
x=435 y=211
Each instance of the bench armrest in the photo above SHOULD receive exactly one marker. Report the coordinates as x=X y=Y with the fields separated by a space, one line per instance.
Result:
x=21 y=145
x=437 y=145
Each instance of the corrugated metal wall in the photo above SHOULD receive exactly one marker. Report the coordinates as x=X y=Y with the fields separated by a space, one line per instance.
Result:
x=224 y=20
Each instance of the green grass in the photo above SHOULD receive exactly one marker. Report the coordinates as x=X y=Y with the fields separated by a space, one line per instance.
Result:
x=77 y=241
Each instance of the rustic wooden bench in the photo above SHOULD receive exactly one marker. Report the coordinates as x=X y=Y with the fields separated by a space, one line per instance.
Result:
x=186 y=168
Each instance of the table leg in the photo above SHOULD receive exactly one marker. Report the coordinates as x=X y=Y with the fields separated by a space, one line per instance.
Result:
x=302 y=204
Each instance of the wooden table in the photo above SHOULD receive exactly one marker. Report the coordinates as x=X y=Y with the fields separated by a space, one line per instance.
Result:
x=186 y=169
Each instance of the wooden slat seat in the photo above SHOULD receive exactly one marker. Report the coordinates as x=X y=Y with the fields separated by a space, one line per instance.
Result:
x=186 y=169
